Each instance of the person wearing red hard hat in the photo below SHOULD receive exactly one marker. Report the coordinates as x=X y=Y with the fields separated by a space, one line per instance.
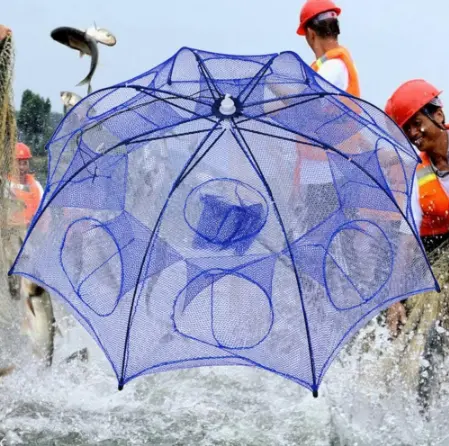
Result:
x=318 y=22
x=25 y=194
x=416 y=108
x=24 y=188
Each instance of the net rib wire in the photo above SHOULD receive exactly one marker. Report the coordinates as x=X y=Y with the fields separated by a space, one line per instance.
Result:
x=253 y=160
x=339 y=104
x=43 y=207
x=257 y=78
x=130 y=140
x=101 y=122
x=172 y=94
x=146 y=91
x=206 y=74
x=361 y=168
x=150 y=245
x=114 y=112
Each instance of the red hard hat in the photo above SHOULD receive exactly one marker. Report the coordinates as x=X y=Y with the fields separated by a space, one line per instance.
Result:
x=409 y=99
x=23 y=152
x=311 y=9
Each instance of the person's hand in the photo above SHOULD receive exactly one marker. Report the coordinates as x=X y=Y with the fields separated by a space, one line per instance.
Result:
x=395 y=317
x=4 y=32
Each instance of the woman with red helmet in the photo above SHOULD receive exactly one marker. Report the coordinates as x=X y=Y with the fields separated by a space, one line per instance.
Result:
x=416 y=108
x=318 y=22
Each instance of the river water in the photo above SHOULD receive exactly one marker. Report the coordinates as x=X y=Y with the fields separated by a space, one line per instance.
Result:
x=78 y=403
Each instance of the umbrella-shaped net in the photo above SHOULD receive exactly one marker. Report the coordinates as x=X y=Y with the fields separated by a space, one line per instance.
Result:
x=226 y=210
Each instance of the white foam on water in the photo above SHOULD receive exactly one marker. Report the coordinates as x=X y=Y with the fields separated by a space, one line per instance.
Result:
x=78 y=403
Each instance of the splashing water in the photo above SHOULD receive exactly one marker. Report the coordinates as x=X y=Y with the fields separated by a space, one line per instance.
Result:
x=78 y=404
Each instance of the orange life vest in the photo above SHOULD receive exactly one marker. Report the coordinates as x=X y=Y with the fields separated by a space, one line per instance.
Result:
x=353 y=89
x=433 y=200
x=29 y=194
x=342 y=54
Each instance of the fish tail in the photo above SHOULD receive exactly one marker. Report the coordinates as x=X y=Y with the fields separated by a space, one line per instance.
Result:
x=88 y=82
x=93 y=65
x=83 y=82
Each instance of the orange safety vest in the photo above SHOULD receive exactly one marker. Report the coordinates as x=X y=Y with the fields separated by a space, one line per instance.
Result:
x=433 y=200
x=342 y=54
x=29 y=194
x=353 y=89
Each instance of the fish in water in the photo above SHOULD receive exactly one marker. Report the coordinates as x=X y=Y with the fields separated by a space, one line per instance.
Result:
x=80 y=355
x=39 y=323
x=69 y=100
x=432 y=366
x=86 y=43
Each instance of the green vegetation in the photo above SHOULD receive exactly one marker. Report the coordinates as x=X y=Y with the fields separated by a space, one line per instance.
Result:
x=36 y=124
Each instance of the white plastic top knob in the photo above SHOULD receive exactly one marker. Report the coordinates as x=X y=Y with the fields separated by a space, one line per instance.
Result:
x=227 y=106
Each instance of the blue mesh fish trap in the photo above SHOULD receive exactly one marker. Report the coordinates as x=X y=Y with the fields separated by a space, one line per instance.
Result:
x=226 y=210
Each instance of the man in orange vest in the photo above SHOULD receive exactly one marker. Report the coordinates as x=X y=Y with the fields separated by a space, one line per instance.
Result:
x=416 y=108
x=318 y=22
x=24 y=193
x=24 y=188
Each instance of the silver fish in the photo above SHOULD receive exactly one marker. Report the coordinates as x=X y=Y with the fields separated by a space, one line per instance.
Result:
x=39 y=323
x=82 y=42
x=69 y=99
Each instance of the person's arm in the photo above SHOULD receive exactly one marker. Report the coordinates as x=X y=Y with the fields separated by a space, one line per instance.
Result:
x=396 y=314
x=334 y=71
x=280 y=91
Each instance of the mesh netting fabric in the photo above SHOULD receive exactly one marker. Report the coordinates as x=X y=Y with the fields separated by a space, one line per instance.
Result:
x=181 y=236
x=8 y=128
x=9 y=238
x=7 y=115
